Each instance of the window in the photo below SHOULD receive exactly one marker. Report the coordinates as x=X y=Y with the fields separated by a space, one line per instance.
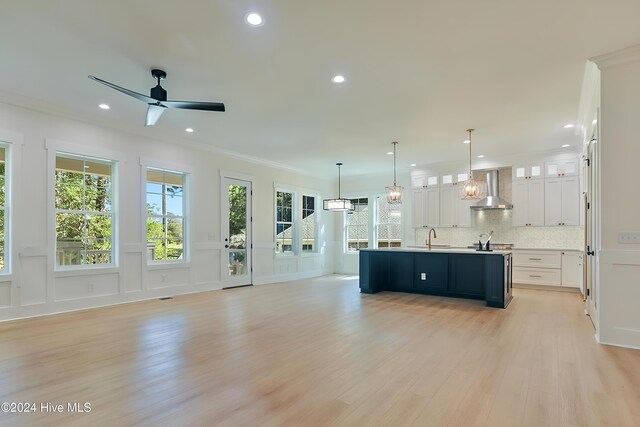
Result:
x=284 y=222
x=3 y=209
x=357 y=225
x=165 y=215
x=309 y=224
x=84 y=211
x=388 y=224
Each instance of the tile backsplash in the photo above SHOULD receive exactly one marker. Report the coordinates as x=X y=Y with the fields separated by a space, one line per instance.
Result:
x=557 y=237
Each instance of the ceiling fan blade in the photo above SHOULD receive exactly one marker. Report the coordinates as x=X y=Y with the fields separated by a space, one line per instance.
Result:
x=153 y=114
x=136 y=95
x=190 y=105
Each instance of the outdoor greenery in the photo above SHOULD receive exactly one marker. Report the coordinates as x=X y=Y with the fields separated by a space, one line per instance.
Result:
x=83 y=216
x=2 y=208
x=169 y=245
x=165 y=229
x=237 y=222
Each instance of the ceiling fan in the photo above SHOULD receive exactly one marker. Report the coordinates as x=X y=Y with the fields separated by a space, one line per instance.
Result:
x=157 y=102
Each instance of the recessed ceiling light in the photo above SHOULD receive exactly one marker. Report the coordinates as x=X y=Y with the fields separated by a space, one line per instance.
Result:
x=566 y=145
x=104 y=106
x=338 y=79
x=254 y=19
x=390 y=153
x=481 y=156
x=466 y=141
x=413 y=165
x=568 y=126
x=190 y=130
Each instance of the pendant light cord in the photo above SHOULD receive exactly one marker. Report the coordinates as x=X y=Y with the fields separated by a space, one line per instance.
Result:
x=470 y=172
x=339 y=164
x=394 y=162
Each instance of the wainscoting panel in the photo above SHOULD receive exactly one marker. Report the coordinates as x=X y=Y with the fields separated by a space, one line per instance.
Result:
x=5 y=294
x=77 y=287
x=620 y=298
x=34 y=279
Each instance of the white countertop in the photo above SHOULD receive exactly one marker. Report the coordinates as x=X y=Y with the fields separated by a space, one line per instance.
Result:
x=546 y=249
x=439 y=250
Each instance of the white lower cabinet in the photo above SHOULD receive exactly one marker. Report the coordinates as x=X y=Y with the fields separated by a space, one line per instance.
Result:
x=572 y=269
x=548 y=268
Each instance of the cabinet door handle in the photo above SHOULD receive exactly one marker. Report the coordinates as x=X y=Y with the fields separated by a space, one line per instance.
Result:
x=535 y=259
x=534 y=275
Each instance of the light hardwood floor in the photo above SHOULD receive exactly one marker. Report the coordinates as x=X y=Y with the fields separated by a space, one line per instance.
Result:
x=317 y=352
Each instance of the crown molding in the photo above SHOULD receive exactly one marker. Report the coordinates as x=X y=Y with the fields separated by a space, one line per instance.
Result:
x=619 y=57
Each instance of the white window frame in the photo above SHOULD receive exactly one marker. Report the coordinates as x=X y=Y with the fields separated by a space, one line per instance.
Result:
x=345 y=234
x=6 y=209
x=112 y=213
x=295 y=240
x=378 y=224
x=316 y=214
x=185 y=218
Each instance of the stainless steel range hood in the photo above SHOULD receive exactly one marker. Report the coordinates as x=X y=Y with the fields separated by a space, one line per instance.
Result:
x=493 y=200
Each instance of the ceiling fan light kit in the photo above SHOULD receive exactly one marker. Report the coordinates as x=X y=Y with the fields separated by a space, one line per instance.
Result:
x=157 y=101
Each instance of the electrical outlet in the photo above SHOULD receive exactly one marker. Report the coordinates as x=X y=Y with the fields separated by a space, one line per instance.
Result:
x=423 y=276
x=90 y=287
x=627 y=237
x=164 y=277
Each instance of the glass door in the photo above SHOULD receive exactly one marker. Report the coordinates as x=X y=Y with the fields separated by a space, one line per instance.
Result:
x=236 y=232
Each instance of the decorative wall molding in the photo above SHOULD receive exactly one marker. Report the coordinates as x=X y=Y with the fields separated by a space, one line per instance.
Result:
x=619 y=295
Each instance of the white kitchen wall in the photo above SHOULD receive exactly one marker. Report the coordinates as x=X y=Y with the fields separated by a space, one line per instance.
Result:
x=557 y=237
x=34 y=288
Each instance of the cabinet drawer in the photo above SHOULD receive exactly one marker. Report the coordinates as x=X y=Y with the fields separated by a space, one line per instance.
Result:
x=537 y=276
x=543 y=259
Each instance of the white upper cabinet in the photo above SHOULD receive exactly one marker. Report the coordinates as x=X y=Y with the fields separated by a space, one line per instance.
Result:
x=562 y=168
x=420 y=180
x=453 y=178
x=528 y=203
x=528 y=171
x=454 y=212
x=425 y=207
x=562 y=201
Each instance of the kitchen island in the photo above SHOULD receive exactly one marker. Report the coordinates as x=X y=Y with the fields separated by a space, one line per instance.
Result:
x=459 y=273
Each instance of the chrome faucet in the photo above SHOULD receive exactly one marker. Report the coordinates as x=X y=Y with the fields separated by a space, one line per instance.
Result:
x=434 y=236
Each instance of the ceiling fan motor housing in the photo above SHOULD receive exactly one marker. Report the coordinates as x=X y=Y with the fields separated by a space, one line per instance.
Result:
x=158 y=93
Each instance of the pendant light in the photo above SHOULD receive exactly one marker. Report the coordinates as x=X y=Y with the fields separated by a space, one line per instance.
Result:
x=394 y=192
x=470 y=187
x=339 y=204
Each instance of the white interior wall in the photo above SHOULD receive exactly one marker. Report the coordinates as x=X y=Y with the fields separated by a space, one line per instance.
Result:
x=34 y=288
x=619 y=275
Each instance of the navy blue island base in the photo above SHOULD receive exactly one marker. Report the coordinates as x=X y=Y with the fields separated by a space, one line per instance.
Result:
x=459 y=273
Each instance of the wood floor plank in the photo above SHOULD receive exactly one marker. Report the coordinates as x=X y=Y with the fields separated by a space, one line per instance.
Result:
x=317 y=352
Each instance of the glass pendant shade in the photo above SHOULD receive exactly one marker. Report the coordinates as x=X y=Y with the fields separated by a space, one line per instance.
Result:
x=471 y=189
x=339 y=204
x=394 y=192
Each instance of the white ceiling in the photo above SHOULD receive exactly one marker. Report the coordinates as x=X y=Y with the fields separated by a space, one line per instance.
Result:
x=418 y=71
